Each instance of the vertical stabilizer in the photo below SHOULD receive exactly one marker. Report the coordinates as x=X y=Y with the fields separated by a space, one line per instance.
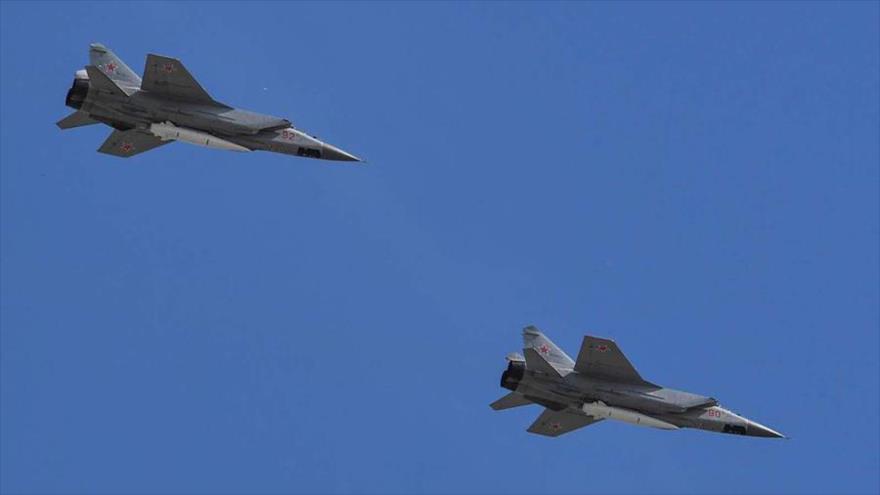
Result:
x=168 y=77
x=98 y=81
x=113 y=67
x=534 y=339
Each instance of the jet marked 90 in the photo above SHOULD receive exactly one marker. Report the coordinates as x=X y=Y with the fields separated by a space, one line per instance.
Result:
x=602 y=384
x=170 y=105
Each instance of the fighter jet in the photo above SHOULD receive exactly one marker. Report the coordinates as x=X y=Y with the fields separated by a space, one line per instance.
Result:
x=168 y=105
x=602 y=384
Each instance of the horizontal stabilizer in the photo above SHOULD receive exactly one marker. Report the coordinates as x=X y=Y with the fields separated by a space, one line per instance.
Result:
x=510 y=400
x=555 y=423
x=76 y=119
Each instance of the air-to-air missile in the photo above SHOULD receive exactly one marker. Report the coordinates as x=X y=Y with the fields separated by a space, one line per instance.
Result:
x=169 y=105
x=602 y=384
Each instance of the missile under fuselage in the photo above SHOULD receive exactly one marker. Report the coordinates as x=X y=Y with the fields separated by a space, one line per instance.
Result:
x=167 y=131
x=599 y=409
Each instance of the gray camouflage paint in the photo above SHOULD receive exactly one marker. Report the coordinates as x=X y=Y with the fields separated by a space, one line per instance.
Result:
x=109 y=92
x=547 y=376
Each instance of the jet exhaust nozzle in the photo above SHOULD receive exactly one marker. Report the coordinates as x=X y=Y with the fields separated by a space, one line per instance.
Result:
x=78 y=91
x=599 y=409
x=513 y=374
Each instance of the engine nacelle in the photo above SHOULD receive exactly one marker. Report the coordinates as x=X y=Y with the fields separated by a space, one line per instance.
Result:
x=76 y=95
x=513 y=374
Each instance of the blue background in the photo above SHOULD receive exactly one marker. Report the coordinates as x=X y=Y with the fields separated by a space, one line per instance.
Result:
x=697 y=181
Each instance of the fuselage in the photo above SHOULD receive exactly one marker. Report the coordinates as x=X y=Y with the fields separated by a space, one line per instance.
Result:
x=249 y=130
x=643 y=404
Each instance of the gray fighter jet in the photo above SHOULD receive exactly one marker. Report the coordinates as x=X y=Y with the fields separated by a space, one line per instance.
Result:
x=602 y=384
x=169 y=105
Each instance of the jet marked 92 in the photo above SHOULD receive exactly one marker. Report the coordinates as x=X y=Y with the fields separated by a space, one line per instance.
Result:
x=170 y=105
x=602 y=384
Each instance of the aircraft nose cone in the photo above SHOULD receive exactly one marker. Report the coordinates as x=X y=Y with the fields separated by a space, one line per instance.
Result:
x=759 y=430
x=329 y=152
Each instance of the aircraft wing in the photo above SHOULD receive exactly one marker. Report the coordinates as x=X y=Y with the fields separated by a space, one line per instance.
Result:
x=554 y=423
x=129 y=143
x=602 y=357
x=168 y=77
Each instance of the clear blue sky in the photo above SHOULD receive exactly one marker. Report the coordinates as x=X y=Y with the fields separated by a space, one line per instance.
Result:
x=697 y=181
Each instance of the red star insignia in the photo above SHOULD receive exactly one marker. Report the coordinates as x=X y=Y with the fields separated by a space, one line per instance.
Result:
x=555 y=426
x=168 y=67
x=602 y=348
x=544 y=349
x=126 y=147
x=111 y=67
